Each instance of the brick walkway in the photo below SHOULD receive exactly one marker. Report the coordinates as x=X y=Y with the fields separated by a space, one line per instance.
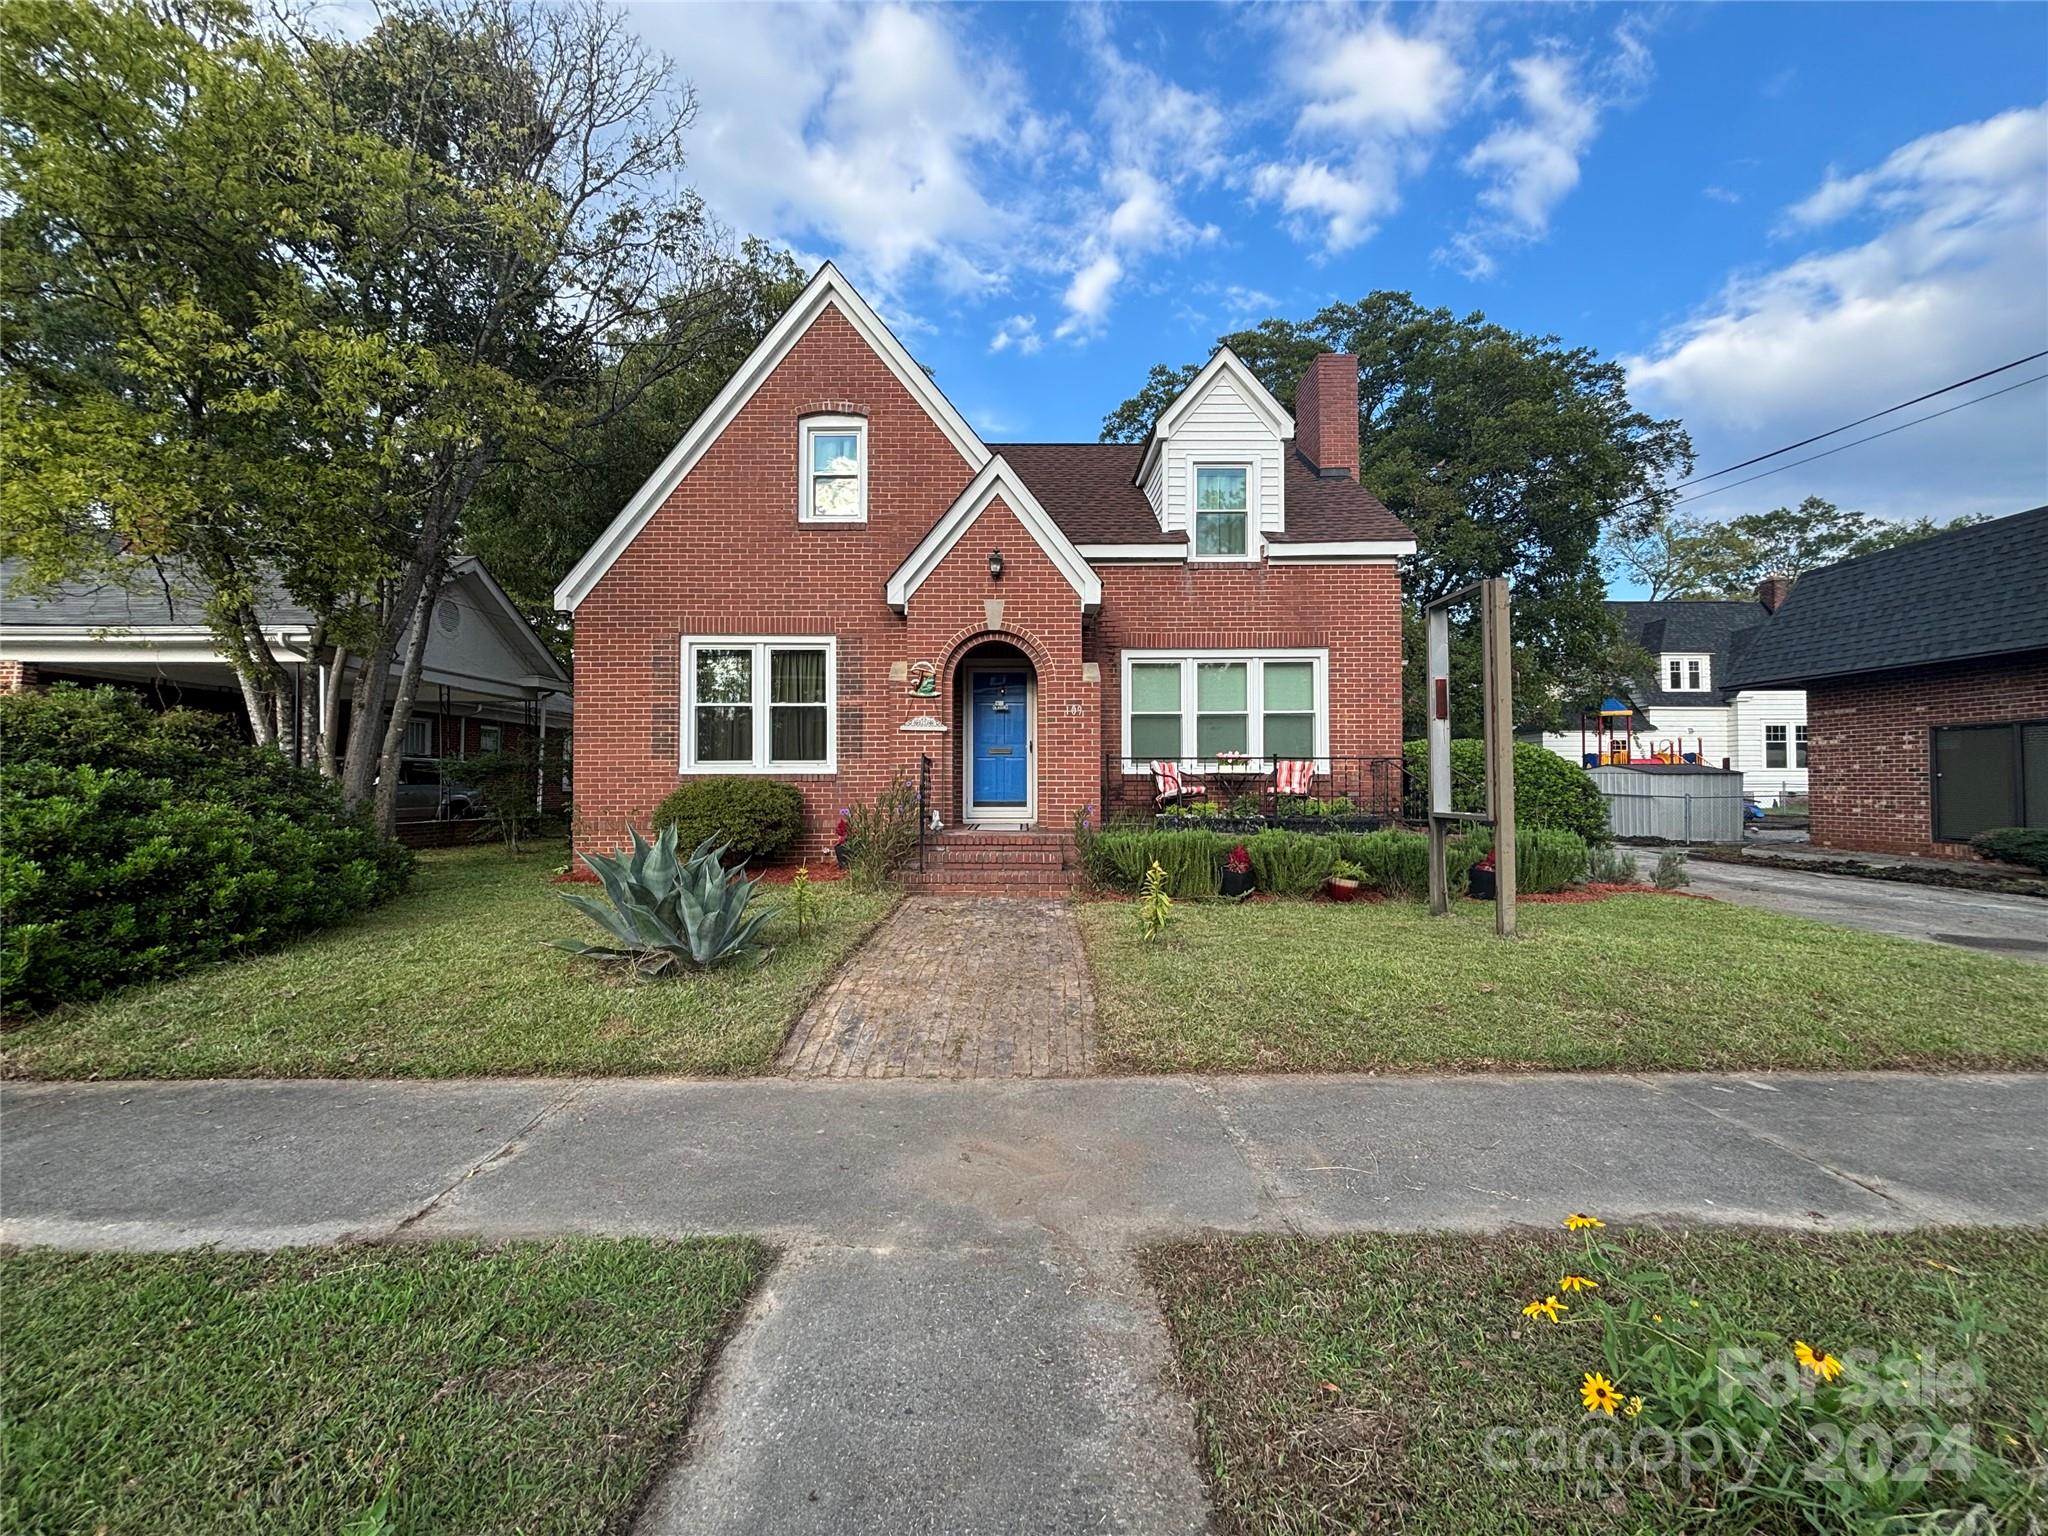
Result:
x=955 y=988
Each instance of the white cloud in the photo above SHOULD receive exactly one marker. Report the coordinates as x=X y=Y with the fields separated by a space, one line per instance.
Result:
x=1372 y=98
x=1019 y=332
x=1088 y=295
x=1721 y=195
x=1948 y=284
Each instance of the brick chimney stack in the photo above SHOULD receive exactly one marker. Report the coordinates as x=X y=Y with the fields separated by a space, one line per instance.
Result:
x=1326 y=415
x=1772 y=592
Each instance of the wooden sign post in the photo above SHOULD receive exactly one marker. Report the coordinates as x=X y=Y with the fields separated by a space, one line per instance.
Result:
x=1497 y=664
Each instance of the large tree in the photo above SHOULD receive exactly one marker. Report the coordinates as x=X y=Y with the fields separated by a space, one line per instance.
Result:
x=333 y=288
x=1508 y=454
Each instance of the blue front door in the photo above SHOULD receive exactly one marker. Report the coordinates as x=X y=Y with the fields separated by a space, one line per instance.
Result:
x=1002 y=744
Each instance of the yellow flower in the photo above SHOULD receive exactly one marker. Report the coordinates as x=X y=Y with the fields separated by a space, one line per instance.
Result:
x=1578 y=1283
x=1548 y=1307
x=1656 y=1317
x=1823 y=1365
x=1577 y=1220
x=1599 y=1394
x=1635 y=1406
x=1803 y=1353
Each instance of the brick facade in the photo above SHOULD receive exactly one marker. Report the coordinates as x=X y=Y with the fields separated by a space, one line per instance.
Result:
x=17 y=677
x=725 y=556
x=1869 y=742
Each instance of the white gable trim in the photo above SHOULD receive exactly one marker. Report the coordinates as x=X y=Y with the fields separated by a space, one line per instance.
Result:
x=1225 y=364
x=827 y=290
x=550 y=673
x=996 y=479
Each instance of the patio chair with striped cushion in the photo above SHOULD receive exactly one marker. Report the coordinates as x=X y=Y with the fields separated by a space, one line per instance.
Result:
x=1171 y=787
x=1293 y=776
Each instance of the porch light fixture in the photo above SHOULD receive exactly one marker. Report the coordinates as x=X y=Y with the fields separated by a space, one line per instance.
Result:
x=995 y=565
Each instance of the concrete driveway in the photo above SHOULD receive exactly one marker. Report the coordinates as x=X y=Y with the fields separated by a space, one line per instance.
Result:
x=1979 y=920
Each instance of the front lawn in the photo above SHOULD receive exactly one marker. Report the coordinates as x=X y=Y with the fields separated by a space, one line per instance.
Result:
x=1646 y=981
x=535 y=1387
x=1392 y=1383
x=455 y=980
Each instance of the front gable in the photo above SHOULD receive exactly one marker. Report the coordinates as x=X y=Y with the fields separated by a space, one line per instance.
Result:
x=996 y=482
x=1224 y=417
x=827 y=292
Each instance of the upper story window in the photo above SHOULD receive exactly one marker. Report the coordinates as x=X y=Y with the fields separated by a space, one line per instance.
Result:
x=835 y=470
x=1686 y=674
x=1223 y=511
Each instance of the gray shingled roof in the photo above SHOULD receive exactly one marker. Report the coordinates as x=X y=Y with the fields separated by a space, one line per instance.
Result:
x=1719 y=629
x=1975 y=592
x=1087 y=489
x=143 y=602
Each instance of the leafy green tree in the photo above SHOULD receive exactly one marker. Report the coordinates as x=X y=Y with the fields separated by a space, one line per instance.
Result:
x=1508 y=454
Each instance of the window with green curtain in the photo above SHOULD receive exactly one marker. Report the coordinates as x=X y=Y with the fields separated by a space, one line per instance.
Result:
x=1222 y=707
x=725 y=696
x=1222 y=514
x=1290 y=708
x=1155 y=709
x=796 y=706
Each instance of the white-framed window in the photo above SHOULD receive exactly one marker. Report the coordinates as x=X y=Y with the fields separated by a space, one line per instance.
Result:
x=1194 y=705
x=760 y=702
x=1686 y=674
x=1798 y=746
x=1223 y=527
x=419 y=736
x=833 y=470
x=490 y=738
x=1774 y=746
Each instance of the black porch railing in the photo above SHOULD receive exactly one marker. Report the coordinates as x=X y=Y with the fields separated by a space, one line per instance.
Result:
x=1357 y=790
x=924 y=804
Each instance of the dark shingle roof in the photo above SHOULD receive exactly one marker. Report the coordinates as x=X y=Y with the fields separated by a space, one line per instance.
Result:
x=1719 y=629
x=1974 y=592
x=1087 y=489
x=144 y=601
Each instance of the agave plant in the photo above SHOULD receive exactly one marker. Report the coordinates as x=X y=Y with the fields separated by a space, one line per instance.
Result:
x=668 y=913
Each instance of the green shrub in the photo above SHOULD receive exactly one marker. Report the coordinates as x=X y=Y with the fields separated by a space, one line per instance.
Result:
x=507 y=781
x=1545 y=861
x=882 y=833
x=2015 y=845
x=754 y=818
x=1392 y=863
x=667 y=913
x=1671 y=873
x=1549 y=791
x=1611 y=866
x=1155 y=907
x=1191 y=861
x=1291 y=863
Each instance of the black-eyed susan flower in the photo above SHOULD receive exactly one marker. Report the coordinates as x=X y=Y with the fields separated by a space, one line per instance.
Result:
x=1633 y=1407
x=1822 y=1364
x=1578 y=1220
x=1548 y=1308
x=1599 y=1394
x=1577 y=1283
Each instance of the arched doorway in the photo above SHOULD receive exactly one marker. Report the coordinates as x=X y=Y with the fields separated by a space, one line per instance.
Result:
x=996 y=703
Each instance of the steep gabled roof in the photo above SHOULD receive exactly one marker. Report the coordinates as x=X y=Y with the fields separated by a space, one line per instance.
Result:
x=997 y=479
x=828 y=290
x=1719 y=629
x=1224 y=364
x=1968 y=594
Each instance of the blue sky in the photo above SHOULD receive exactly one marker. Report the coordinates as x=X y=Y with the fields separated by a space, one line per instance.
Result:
x=1780 y=216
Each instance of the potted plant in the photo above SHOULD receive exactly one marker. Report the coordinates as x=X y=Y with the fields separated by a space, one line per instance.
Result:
x=1344 y=882
x=1479 y=883
x=1237 y=872
x=839 y=842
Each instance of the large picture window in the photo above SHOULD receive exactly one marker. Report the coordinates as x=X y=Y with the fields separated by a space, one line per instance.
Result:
x=758 y=704
x=1989 y=776
x=1195 y=706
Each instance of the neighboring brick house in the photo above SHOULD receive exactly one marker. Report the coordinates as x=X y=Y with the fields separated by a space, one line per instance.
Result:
x=488 y=681
x=833 y=577
x=1926 y=677
x=1686 y=708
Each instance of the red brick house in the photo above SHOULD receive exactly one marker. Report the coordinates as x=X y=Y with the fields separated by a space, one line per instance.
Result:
x=833 y=577
x=1926 y=677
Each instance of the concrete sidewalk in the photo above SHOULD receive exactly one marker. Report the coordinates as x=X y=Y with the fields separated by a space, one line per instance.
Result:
x=956 y=1338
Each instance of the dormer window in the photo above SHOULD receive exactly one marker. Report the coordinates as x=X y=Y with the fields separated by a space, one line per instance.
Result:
x=1686 y=674
x=1223 y=511
x=835 y=470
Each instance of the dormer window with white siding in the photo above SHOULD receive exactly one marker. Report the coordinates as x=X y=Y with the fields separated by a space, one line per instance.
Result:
x=1686 y=674
x=1223 y=502
x=835 y=470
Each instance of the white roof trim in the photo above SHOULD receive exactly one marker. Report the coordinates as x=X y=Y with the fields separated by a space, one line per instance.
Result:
x=556 y=675
x=1175 y=552
x=827 y=290
x=1256 y=395
x=1342 y=549
x=995 y=479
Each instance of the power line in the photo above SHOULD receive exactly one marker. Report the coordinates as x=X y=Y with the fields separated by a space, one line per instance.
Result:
x=1856 y=442
x=1860 y=420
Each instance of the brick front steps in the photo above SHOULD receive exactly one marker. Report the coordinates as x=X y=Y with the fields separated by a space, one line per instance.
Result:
x=971 y=863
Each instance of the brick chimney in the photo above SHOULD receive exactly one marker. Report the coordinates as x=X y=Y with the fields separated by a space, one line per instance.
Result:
x=1772 y=592
x=1326 y=415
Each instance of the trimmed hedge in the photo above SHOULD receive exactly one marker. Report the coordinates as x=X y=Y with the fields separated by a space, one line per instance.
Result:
x=1549 y=791
x=1297 y=863
x=2015 y=845
x=757 y=818
x=134 y=846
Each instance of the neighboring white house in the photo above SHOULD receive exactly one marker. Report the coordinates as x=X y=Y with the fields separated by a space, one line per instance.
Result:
x=1686 y=711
